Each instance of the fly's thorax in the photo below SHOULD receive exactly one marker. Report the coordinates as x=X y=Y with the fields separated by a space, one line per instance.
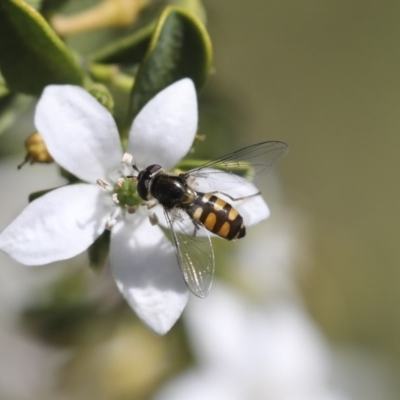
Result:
x=171 y=190
x=217 y=216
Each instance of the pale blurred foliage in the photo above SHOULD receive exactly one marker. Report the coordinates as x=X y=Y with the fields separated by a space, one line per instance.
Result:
x=247 y=350
x=24 y=358
x=108 y=13
x=130 y=362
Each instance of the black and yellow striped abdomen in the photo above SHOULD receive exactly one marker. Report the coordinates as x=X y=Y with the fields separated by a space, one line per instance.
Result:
x=217 y=216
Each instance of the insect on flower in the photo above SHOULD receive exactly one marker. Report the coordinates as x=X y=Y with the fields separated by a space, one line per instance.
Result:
x=191 y=213
x=83 y=138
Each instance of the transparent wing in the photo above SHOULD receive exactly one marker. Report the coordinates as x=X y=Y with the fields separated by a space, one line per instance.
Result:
x=193 y=250
x=235 y=169
x=251 y=160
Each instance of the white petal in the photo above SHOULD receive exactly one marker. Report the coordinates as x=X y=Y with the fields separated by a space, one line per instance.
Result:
x=164 y=130
x=79 y=132
x=145 y=268
x=56 y=226
x=211 y=180
x=252 y=207
x=253 y=210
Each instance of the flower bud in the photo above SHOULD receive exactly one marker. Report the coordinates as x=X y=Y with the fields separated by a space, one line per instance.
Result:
x=36 y=150
x=102 y=95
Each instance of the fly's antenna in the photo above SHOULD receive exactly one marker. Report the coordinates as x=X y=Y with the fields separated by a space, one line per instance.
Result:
x=127 y=161
x=134 y=177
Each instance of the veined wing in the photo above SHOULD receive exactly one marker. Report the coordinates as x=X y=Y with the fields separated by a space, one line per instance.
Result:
x=194 y=252
x=231 y=174
x=249 y=161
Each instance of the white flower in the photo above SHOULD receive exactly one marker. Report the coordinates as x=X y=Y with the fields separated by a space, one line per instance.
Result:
x=82 y=137
x=245 y=351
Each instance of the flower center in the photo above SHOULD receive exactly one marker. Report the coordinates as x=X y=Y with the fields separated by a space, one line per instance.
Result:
x=126 y=194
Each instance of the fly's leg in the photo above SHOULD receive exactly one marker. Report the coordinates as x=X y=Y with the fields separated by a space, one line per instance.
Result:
x=151 y=205
x=235 y=198
x=153 y=217
x=196 y=226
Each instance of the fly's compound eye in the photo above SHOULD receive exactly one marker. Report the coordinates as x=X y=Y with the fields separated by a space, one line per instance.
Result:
x=144 y=179
x=153 y=169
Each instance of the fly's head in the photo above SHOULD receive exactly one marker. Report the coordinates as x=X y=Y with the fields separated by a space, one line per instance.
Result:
x=144 y=179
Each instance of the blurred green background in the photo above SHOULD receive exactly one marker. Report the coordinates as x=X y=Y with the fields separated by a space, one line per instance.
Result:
x=323 y=77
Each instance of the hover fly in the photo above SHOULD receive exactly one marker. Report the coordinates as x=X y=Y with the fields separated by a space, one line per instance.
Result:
x=194 y=205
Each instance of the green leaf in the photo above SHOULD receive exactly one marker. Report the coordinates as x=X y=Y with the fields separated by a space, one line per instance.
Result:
x=98 y=251
x=35 y=195
x=3 y=87
x=129 y=50
x=50 y=6
x=36 y=4
x=31 y=54
x=180 y=47
x=10 y=107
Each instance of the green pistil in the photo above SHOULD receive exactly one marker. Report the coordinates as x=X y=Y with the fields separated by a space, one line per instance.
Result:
x=127 y=194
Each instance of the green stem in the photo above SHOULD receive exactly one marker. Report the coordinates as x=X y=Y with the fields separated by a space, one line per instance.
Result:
x=111 y=74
